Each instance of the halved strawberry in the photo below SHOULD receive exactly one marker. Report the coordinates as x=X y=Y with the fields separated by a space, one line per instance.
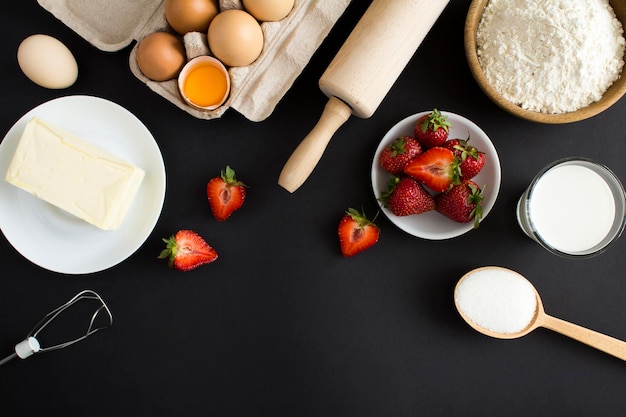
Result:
x=462 y=203
x=437 y=168
x=472 y=160
x=226 y=194
x=432 y=129
x=406 y=196
x=356 y=233
x=186 y=250
x=398 y=153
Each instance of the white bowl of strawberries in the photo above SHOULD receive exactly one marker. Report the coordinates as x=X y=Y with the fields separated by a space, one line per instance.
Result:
x=436 y=175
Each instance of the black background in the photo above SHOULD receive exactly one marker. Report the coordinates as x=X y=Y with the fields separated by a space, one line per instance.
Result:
x=281 y=324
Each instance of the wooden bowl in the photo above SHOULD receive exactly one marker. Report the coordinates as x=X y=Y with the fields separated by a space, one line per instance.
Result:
x=613 y=94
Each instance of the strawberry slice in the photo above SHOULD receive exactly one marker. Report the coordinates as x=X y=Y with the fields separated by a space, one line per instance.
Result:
x=356 y=233
x=437 y=168
x=186 y=250
x=226 y=194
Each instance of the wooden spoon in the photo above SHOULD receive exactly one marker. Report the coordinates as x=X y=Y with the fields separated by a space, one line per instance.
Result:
x=589 y=337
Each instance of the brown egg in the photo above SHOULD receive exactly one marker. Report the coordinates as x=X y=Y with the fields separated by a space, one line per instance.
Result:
x=235 y=38
x=268 y=10
x=190 y=15
x=161 y=56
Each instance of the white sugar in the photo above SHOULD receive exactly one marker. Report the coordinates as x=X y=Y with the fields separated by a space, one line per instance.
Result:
x=497 y=299
x=550 y=56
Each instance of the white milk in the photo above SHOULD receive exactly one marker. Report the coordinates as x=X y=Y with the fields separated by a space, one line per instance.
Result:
x=572 y=208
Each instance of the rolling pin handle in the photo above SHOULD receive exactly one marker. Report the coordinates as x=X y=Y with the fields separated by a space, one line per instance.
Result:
x=306 y=156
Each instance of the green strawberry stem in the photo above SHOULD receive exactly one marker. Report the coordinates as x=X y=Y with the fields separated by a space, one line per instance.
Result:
x=476 y=198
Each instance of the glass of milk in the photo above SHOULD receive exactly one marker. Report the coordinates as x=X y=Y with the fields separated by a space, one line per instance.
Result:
x=574 y=207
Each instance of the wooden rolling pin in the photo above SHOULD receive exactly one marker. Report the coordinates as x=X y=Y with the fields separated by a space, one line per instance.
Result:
x=362 y=73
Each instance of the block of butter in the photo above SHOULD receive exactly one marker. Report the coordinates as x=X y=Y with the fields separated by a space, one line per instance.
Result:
x=74 y=175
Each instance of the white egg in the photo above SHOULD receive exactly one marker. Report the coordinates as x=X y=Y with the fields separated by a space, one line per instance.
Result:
x=46 y=61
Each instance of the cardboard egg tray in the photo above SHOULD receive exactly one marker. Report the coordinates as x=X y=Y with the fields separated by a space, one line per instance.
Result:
x=256 y=89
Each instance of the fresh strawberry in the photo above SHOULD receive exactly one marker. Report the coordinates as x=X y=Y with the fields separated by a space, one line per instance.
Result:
x=454 y=145
x=432 y=129
x=226 y=194
x=406 y=196
x=356 y=233
x=472 y=160
x=437 y=168
x=462 y=203
x=186 y=250
x=395 y=156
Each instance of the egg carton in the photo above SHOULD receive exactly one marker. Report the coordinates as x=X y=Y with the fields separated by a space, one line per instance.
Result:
x=256 y=89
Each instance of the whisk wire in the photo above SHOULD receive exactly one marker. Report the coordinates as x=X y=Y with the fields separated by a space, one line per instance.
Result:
x=85 y=294
x=31 y=345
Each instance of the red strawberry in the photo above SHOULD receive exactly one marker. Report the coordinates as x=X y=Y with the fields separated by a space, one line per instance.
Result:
x=395 y=156
x=437 y=168
x=186 y=250
x=472 y=160
x=407 y=196
x=454 y=145
x=226 y=194
x=432 y=129
x=462 y=203
x=356 y=233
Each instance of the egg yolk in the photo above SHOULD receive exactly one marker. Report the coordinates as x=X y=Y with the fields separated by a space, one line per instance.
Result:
x=205 y=85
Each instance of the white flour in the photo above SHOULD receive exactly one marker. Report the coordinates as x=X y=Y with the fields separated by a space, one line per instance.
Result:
x=550 y=56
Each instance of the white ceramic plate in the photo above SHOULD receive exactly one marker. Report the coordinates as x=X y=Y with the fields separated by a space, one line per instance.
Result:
x=60 y=242
x=433 y=225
